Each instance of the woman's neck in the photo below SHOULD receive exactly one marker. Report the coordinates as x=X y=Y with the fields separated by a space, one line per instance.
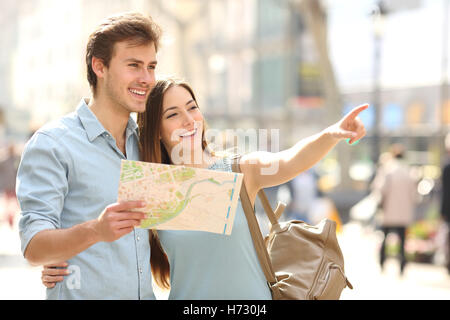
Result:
x=204 y=160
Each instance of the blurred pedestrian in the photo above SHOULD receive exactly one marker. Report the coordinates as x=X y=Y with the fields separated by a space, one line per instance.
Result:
x=398 y=200
x=304 y=192
x=383 y=167
x=8 y=171
x=445 y=197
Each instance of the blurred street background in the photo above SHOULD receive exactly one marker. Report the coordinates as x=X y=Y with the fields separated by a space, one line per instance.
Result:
x=296 y=66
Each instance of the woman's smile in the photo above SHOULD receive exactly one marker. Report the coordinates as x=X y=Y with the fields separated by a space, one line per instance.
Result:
x=189 y=134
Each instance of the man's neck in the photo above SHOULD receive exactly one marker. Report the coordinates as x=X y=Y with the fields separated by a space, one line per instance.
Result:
x=113 y=118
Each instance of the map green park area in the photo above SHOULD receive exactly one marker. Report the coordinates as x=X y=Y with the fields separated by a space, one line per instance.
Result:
x=181 y=198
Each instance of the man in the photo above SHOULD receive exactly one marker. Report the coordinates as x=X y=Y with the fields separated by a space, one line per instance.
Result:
x=445 y=197
x=68 y=177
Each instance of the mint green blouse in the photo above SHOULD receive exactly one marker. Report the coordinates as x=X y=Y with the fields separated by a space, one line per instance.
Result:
x=206 y=265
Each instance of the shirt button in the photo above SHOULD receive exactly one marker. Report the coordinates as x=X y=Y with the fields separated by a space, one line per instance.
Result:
x=138 y=238
x=140 y=270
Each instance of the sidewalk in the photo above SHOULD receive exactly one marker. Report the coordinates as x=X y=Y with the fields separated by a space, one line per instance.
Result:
x=419 y=282
x=360 y=247
x=18 y=279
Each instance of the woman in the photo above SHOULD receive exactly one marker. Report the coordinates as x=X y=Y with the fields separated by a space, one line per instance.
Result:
x=200 y=265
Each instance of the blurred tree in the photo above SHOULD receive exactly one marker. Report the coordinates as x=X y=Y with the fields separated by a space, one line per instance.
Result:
x=187 y=14
x=2 y=117
x=316 y=22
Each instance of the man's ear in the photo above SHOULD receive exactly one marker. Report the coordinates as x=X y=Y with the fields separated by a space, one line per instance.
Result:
x=98 y=67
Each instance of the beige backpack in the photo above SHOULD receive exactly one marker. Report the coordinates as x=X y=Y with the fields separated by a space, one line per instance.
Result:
x=299 y=261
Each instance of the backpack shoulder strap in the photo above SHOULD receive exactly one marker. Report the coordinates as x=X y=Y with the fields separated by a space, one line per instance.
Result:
x=255 y=231
x=271 y=214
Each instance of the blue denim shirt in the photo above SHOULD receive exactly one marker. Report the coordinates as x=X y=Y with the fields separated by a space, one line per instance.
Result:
x=69 y=173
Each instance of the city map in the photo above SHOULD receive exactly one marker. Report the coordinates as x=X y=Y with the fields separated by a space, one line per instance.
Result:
x=181 y=198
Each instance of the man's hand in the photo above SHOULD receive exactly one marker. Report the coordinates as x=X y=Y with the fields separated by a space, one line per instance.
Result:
x=118 y=219
x=53 y=246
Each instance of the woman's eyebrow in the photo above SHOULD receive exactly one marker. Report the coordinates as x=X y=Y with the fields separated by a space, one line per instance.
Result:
x=170 y=108
x=175 y=107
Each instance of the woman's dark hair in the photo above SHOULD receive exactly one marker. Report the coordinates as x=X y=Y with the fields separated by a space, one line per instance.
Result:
x=152 y=150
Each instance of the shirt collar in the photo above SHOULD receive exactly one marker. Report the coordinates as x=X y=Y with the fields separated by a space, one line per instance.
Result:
x=132 y=126
x=91 y=124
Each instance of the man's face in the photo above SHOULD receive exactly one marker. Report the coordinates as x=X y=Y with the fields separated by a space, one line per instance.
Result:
x=130 y=76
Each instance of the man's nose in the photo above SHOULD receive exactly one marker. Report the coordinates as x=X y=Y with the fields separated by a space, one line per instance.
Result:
x=148 y=78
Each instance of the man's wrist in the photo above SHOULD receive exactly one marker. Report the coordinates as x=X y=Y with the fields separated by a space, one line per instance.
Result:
x=92 y=233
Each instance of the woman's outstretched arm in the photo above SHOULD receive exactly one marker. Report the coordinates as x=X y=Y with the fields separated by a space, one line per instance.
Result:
x=265 y=169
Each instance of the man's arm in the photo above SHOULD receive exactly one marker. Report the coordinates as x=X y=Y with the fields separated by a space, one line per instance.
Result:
x=266 y=169
x=52 y=246
x=42 y=185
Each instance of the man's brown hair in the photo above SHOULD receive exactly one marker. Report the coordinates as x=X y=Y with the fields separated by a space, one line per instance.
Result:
x=130 y=26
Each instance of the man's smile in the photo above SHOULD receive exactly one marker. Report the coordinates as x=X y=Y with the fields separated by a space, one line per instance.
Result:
x=138 y=93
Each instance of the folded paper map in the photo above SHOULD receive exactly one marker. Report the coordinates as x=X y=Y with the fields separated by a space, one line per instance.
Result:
x=181 y=198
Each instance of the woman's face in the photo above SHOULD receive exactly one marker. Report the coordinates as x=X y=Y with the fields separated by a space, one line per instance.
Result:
x=181 y=123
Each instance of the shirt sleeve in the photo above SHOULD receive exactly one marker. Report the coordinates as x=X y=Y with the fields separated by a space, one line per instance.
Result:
x=41 y=186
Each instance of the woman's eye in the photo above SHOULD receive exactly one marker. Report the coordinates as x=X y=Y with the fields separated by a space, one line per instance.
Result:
x=193 y=107
x=171 y=115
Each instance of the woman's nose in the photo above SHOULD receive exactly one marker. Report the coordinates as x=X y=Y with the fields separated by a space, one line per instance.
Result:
x=188 y=120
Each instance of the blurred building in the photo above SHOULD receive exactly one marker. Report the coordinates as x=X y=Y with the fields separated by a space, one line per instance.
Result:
x=244 y=59
x=45 y=73
x=253 y=64
x=47 y=61
x=8 y=25
x=409 y=77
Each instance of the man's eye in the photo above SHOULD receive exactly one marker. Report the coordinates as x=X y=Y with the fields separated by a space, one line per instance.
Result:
x=152 y=67
x=134 y=65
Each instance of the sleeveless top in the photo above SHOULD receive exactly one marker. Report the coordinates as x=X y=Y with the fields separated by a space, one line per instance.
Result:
x=206 y=265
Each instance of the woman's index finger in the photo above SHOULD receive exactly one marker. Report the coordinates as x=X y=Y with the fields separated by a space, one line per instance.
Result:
x=356 y=111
